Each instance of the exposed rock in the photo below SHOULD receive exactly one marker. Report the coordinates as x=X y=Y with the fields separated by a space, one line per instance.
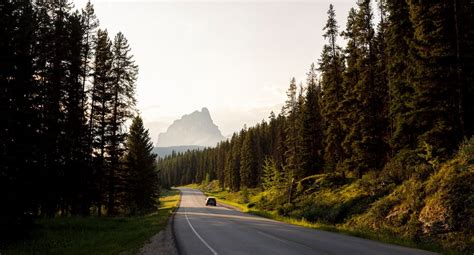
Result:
x=196 y=128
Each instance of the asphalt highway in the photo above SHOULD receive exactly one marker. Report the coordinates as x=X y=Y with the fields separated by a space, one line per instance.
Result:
x=220 y=230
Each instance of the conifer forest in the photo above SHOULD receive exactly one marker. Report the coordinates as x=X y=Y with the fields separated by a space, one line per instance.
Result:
x=378 y=138
x=67 y=92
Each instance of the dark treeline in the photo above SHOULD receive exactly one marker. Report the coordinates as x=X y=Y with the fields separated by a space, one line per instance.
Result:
x=403 y=86
x=67 y=91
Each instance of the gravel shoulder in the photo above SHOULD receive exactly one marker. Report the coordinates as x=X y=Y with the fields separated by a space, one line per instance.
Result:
x=164 y=242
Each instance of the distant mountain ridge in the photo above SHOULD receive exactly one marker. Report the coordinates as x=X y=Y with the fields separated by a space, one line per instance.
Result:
x=195 y=129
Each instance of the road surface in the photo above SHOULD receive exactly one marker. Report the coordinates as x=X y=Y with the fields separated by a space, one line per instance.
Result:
x=219 y=230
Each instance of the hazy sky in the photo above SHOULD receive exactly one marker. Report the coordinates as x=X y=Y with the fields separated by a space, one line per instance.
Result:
x=234 y=57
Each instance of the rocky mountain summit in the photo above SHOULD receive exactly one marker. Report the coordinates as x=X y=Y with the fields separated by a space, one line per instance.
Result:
x=196 y=128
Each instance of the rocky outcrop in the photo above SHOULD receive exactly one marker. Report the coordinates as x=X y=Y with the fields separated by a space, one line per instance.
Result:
x=196 y=128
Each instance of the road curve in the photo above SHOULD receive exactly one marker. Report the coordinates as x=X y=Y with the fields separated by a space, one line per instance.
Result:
x=219 y=230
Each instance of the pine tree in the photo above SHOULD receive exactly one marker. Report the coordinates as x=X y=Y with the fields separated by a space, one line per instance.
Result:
x=19 y=120
x=399 y=34
x=382 y=94
x=349 y=105
x=331 y=66
x=277 y=139
x=58 y=69
x=232 y=167
x=122 y=89
x=363 y=129
x=142 y=186
x=90 y=23
x=366 y=136
x=222 y=151
x=435 y=117
x=311 y=129
x=248 y=161
x=76 y=155
x=100 y=110
x=290 y=111
x=272 y=177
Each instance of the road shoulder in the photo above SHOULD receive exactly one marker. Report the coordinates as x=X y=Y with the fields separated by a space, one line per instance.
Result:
x=164 y=242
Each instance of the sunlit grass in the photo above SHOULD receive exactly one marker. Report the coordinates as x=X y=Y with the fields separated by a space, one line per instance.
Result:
x=94 y=235
x=169 y=199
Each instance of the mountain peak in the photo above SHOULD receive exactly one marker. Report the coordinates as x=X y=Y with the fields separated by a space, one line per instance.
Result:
x=196 y=128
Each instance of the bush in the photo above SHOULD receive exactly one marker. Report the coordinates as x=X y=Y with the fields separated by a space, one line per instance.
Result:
x=285 y=209
x=400 y=167
x=244 y=195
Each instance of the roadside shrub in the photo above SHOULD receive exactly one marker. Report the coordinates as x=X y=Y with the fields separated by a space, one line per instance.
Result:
x=314 y=213
x=212 y=186
x=244 y=195
x=333 y=180
x=285 y=209
x=400 y=167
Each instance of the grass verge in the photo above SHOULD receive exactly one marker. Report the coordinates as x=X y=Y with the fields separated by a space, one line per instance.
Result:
x=94 y=235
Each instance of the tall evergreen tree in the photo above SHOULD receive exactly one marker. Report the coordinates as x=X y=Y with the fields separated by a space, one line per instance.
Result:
x=311 y=129
x=76 y=155
x=122 y=89
x=19 y=120
x=100 y=111
x=331 y=66
x=232 y=168
x=142 y=183
x=277 y=139
x=382 y=94
x=248 y=161
x=349 y=105
x=90 y=24
x=366 y=134
x=399 y=36
x=435 y=116
x=290 y=111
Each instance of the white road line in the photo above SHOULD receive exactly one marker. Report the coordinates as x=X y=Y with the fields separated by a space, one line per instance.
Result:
x=199 y=236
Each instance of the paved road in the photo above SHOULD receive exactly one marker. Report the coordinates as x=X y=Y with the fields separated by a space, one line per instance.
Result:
x=219 y=230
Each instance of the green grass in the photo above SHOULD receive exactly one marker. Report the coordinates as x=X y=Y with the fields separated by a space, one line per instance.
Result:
x=94 y=235
x=229 y=198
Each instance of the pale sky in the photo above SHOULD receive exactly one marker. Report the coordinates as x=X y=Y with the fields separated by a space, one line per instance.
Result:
x=234 y=57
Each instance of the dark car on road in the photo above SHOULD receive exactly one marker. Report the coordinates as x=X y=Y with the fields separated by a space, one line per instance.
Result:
x=211 y=201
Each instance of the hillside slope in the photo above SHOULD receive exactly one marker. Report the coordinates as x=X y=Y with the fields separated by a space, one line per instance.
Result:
x=433 y=209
